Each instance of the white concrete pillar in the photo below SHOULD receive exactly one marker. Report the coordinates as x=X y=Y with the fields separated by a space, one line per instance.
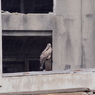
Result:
x=67 y=34
x=88 y=33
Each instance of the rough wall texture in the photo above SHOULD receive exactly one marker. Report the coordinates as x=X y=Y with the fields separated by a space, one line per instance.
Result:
x=77 y=39
x=26 y=22
x=48 y=82
x=88 y=33
x=68 y=34
x=73 y=35
x=72 y=24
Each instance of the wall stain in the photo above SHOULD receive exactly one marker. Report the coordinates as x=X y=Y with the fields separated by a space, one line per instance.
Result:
x=7 y=19
x=68 y=23
x=85 y=39
x=69 y=49
x=69 y=54
x=89 y=15
x=25 y=21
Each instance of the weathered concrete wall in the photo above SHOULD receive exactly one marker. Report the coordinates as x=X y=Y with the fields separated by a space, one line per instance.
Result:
x=26 y=22
x=72 y=24
x=88 y=33
x=67 y=34
x=75 y=30
x=73 y=44
x=48 y=82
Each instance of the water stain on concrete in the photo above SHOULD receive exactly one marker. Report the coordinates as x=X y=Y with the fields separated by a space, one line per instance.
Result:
x=89 y=15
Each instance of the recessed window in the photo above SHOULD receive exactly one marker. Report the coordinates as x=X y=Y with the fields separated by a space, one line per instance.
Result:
x=27 y=6
x=22 y=53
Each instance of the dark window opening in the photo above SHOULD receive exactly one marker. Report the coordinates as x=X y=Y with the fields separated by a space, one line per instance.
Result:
x=10 y=5
x=21 y=53
x=34 y=65
x=13 y=66
x=27 y=6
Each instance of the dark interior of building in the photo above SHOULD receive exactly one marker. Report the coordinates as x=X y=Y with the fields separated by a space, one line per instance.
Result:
x=27 y=6
x=22 y=53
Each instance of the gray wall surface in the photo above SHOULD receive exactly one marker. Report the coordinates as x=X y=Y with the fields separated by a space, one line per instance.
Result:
x=77 y=40
x=26 y=22
x=68 y=28
x=72 y=24
x=49 y=81
x=88 y=33
x=73 y=33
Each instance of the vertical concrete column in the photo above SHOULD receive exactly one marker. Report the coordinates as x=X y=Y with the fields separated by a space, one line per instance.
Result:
x=67 y=34
x=0 y=46
x=58 y=35
x=88 y=33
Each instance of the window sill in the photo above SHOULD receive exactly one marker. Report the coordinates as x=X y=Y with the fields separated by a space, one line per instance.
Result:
x=36 y=73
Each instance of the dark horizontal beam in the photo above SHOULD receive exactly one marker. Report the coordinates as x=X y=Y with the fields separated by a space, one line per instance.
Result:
x=27 y=33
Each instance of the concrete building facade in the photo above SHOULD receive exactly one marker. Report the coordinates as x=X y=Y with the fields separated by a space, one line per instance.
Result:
x=68 y=26
x=65 y=27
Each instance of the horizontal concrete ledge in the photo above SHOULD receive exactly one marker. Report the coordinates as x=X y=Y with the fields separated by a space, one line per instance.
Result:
x=50 y=91
x=27 y=22
x=36 y=73
x=16 y=13
x=47 y=81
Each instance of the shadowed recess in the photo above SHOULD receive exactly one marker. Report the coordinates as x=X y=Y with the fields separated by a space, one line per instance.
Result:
x=27 y=6
x=18 y=51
